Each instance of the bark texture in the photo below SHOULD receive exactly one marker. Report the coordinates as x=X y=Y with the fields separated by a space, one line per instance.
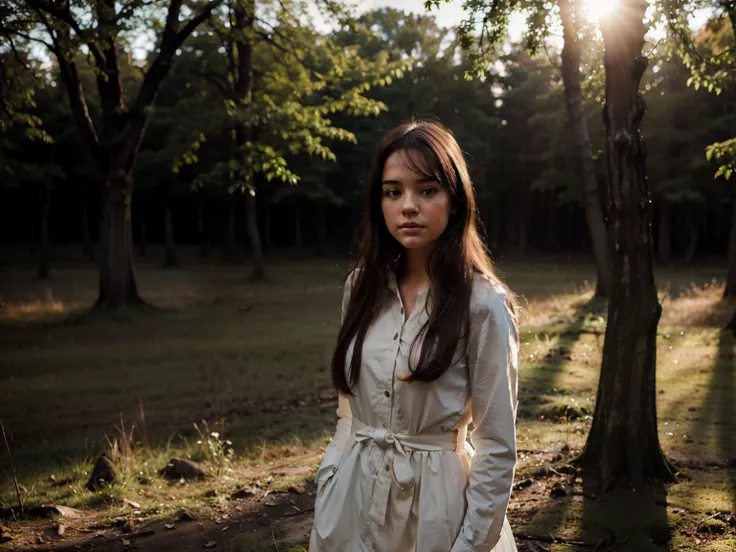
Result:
x=44 y=266
x=730 y=290
x=664 y=235
x=118 y=284
x=170 y=260
x=244 y=19
x=571 y=78
x=623 y=444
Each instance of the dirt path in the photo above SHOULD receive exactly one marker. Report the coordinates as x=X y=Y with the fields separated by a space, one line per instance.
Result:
x=254 y=522
x=280 y=516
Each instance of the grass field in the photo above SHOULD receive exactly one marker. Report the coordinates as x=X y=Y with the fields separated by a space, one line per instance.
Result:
x=255 y=356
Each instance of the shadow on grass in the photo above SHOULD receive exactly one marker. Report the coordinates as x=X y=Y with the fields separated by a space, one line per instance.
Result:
x=718 y=412
x=627 y=520
x=545 y=374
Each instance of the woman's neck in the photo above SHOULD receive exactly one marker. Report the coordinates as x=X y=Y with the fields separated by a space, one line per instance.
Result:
x=414 y=267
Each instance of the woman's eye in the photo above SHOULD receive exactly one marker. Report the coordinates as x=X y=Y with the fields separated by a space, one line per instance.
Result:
x=428 y=191
x=391 y=193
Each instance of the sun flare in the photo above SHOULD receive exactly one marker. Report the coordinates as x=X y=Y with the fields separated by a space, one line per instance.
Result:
x=596 y=10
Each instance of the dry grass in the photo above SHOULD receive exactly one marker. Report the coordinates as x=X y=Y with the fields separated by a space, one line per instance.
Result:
x=256 y=356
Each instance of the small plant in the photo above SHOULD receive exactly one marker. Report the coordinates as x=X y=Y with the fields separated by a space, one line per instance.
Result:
x=216 y=451
x=122 y=451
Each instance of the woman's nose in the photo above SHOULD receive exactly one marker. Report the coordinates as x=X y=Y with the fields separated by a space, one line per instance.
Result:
x=409 y=204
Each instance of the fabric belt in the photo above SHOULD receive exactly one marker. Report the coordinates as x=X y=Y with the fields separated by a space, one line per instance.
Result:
x=396 y=465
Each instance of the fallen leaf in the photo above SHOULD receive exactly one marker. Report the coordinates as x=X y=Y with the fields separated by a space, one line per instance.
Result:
x=210 y=544
x=225 y=528
x=185 y=515
x=170 y=526
x=132 y=504
x=298 y=489
x=63 y=511
x=126 y=542
x=60 y=530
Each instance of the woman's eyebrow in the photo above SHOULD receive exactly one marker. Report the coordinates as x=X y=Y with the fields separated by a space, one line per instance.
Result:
x=423 y=180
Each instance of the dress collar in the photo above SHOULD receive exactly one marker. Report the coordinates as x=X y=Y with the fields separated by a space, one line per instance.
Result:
x=394 y=286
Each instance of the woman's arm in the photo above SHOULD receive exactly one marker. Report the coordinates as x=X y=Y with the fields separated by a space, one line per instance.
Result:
x=345 y=418
x=339 y=441
x=492 y=360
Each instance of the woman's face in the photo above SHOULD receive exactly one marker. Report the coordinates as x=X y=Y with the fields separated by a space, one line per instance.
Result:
x=416 y=209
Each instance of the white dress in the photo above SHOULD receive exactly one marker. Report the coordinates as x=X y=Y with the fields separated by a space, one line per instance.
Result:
x=399 y=475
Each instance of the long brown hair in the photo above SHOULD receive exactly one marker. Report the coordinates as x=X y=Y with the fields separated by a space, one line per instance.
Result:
x=431 y=151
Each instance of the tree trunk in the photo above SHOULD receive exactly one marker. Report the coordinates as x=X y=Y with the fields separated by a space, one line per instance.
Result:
x=693 y=232
x=143 y=246
x=551 y=242
x=170 y=244
x=298 y=233
x=521 y=213
x=623 y=444
x=32 y=233
x=570 y=11
x=665 y=232
x=44 y=270
x=244 y=18
x=267 y=239
x=88 y=248
x=732 y=324
x=230 y=237
x=118 y=285
x=730 y=290
x=496 y=221
x=122 y=125
x=259 y=270
x=322 y=231
x=203 y=228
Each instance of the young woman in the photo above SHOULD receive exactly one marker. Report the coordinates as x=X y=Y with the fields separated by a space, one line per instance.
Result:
x=428 y=343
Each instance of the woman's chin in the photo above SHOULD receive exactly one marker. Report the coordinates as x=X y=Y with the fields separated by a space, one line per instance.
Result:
x=415 y=243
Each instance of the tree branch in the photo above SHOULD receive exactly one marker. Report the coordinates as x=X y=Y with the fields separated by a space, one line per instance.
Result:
x=128 y=9
x=75 y=91
x=28 y=37
x=212 y=79
x=196 y=22
x=65 y=15
x=228 y=47
x=170 y=42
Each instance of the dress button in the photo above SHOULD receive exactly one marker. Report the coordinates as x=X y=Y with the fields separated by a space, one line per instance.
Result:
x=387 y=468
x=396 y=336
x=402 y=311
x=387 y=393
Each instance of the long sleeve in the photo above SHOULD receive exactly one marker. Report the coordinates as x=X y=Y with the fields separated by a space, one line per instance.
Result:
x=493 y=362
x=341 y=438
